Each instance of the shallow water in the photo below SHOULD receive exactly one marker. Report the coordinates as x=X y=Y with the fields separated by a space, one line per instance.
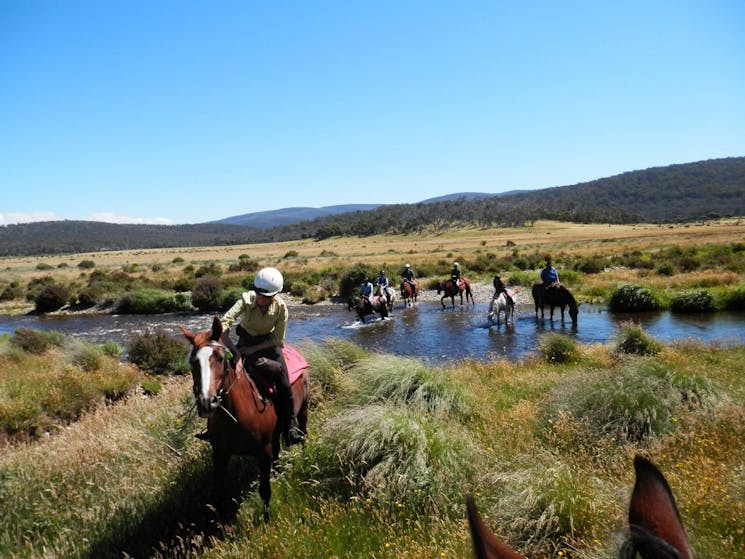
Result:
x=425 y=331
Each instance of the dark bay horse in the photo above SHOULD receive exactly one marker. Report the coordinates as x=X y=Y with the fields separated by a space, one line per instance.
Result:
x=409 y=292
x=450 y=289
x=239 y=419
x=555 y=297
x=364 y=307
x=655 y=528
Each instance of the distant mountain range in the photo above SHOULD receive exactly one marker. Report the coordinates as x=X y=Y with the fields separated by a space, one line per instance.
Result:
x=675 y=193
x=288 y=216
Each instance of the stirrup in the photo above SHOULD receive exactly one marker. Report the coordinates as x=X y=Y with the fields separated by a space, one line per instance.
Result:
x=294 y=436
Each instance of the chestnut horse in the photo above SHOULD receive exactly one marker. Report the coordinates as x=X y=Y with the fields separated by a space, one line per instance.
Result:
x=363 y=307
x=409 y=292
x=655 y=528
x=558 y=296
x=450 y=289
x=240 y=420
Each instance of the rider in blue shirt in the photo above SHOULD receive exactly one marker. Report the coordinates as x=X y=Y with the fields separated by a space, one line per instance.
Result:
x=366 y=288
x=549 y=275
x=382 y=283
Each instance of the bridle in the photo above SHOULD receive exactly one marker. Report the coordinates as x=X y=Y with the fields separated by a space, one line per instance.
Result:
x=222 y=391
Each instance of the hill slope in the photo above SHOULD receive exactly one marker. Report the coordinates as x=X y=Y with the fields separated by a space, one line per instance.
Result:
x=692 y=191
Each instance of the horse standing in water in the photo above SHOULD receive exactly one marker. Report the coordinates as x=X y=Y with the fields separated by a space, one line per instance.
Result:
x=391 y=296
x=409 y=292
x=450 y=289
x=499 y=305
x=655 y=528
x=240 y=420
x=364 y=307
x=558 y=296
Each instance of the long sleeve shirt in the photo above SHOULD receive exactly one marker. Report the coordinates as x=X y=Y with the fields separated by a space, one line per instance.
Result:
x=247 y=313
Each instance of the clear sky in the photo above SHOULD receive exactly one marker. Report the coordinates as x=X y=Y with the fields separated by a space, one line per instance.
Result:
x=191 y=111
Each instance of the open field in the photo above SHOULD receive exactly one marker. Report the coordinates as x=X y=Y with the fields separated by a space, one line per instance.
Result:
x=391 y=250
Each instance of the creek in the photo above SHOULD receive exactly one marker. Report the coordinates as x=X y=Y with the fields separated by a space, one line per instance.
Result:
x=425 y=331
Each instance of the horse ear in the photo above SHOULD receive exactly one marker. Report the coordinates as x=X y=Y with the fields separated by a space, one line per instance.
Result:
x=216 y=329
x=485 y=544
x=188 y=334
x=654 y=520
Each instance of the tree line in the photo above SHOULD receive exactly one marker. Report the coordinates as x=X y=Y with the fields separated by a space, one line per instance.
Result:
x=676 y=193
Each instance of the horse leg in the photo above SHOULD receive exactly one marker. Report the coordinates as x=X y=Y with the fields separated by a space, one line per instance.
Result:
x=220 y=460
x=265 y=467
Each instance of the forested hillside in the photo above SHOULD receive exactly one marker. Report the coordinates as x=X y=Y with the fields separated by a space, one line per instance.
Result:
x=692 y=191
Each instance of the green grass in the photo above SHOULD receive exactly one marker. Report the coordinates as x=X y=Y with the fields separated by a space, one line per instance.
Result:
x=546 y=449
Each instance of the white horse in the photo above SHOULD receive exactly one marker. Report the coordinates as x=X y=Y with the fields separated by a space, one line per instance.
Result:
x=391 y=295
x=500 y=304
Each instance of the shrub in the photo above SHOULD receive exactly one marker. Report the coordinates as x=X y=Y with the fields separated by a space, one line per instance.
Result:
x=557 y=348
x=158 y=353
x=735 y=299
x=351 y=279
x=12 y=291
x=112 y=349
x=36 y=341
x=152 y=301
x=86 y=264
x=211 y=269
x=92 y=295
x=291 y=254
x=632 y=339
x=151 y=386
x=633 y=298
x=207 y=294
x=665 y=269
x=89 y=358
x=692 y=301
x=43 y=266
x=52 y=298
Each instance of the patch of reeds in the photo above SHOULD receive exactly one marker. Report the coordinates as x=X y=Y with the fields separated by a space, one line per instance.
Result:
x=558 y=348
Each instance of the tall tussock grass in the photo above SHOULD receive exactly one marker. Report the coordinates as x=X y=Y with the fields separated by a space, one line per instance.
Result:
x=405 y=381
x=396 y=455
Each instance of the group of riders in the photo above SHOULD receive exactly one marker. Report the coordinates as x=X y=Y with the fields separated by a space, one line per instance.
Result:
x=549 y=278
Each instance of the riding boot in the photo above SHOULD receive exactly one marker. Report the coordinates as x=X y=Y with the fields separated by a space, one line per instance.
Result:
x=292 y=434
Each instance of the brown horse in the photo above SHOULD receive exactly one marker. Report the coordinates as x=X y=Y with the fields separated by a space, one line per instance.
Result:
x=450 y=289
x=558 y=296
x=239 y=419
x=364 y=307
x=409 y=293
x=655 y=528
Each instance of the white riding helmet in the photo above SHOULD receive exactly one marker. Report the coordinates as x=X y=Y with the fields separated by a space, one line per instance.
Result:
x=407 y=265
x=268 y=281
x=456 y=264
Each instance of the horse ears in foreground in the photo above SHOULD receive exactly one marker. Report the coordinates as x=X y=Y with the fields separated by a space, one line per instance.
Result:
x=655 y=528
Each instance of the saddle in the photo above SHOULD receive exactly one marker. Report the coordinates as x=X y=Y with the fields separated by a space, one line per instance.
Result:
x=264 y=371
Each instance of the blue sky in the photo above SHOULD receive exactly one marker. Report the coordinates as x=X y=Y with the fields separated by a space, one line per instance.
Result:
x=186 y=112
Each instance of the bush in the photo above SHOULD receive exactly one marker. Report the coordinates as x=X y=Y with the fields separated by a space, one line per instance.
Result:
x=36 y=341
x=692 y=301
x=158 y=353
x=633 y=339
x=633 y=298
x=557 y=348
x=350 y=280
x=735 y=299
x=207 y=294
x=112 y=349
x=152 y=301
x=86 y=264
x=52 y=298
x=87 y=357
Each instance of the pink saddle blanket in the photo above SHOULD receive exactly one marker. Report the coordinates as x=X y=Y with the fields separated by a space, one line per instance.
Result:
x=296 y=363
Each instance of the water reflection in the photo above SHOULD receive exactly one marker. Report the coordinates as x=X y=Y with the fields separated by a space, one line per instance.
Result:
x=425 y=331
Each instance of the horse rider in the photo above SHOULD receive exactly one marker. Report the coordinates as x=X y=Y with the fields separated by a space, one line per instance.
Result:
x=382 y=283
x=499 y=287
x=262 y=321
x=408 y=276
x=366 y=289
x=549 y=275
x=455 y=274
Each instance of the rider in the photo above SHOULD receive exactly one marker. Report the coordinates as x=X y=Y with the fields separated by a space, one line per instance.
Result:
x=382 y=283
x=262 y=321
x=549 y=275
x=366 y=289
x=499 y=287
x=455 y=274
x=408 y=275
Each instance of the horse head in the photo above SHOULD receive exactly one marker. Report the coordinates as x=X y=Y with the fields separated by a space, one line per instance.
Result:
x=209 y=367
x=655 y=528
